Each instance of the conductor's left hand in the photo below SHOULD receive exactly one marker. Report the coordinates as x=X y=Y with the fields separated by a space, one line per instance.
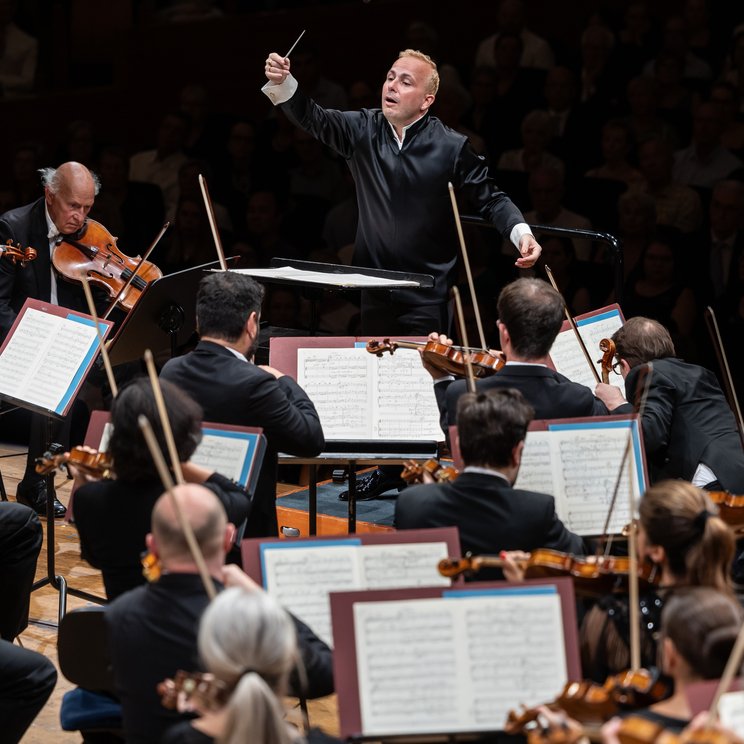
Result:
x=530 y=250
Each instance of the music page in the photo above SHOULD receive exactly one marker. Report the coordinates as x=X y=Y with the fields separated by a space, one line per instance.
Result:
x=46 y=357
x=579 y=465
x=301 y=577
x=361 y=396
x=230 y=453
x=458 y=663
x=568 y=357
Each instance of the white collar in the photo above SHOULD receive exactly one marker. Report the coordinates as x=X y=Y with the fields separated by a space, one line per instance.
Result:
x=405 y=129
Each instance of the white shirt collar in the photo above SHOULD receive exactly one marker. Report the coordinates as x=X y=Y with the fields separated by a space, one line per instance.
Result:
x=485 y=471
x=237 y=353
x=405 y=129
x=52 y=231
x=525 y=364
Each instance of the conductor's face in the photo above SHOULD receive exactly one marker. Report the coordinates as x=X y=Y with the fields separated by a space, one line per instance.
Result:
x=405 y=92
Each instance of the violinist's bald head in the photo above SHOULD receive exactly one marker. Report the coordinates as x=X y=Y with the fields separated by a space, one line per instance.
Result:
x=70 y=176
x=202 y=510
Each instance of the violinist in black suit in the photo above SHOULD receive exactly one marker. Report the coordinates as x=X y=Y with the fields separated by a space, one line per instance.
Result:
x=221 y=376
x=69 y=193
x=530 y=315
x=490 y=514
x=689 y=430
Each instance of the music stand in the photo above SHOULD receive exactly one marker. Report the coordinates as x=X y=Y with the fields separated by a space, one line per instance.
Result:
x=334 y=281
x=55 y=348
x=163 y=318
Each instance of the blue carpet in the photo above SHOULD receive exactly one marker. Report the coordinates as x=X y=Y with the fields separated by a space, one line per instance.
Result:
x=379 y=511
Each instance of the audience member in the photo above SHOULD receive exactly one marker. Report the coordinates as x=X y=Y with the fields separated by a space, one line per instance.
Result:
x=161 y=165
x=18 y=54
x=617 y=151
x=306 y=67
x=537 y=134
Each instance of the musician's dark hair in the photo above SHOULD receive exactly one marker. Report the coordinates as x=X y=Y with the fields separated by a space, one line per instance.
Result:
x=698 y=544
x=532 y=312
x=490 y=425
x=132 y=459
x=224 y=303
x=640 y=340
x=703 y=624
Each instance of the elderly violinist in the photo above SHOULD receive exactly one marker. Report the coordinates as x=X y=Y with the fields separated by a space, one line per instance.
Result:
x=69 y=193
x=689 y=429
x=490 y=514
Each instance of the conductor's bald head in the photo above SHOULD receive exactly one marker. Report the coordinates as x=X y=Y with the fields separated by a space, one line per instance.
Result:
x=202 y=510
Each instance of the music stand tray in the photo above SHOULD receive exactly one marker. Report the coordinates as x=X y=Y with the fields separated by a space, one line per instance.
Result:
x=163 y=318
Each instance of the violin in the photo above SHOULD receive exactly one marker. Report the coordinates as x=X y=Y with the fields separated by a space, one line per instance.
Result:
x=190 y=690
x=413 y=472
x=449 y=359
x=16 y=254
x=639 y=730
x=607 y=347
x=730 y=508
x=92 y=252
x=94 y=464
x=593 y=576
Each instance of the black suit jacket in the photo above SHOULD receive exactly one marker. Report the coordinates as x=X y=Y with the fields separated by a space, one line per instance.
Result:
x=152 y=634
x=550 y=393
x=28 y=227
x=232 y=391
x=687 y=421
x=490 y=515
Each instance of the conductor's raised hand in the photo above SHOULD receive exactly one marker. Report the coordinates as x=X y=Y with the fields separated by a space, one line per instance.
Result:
x=277 y=68
x=530 y=251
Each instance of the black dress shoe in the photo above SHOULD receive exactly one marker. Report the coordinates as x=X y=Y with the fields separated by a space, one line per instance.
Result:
x=373 y=485
x=34 y=494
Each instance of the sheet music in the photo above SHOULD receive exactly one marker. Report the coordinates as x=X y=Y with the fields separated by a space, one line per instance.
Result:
x=321 y=277
x=584 y=462
x=568 y=357
x=301 y=577
x=361 y=396
x=456 y=664
x=45 y=358
x=223 y=453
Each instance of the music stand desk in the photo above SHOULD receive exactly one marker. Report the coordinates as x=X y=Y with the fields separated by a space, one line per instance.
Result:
x=357 y=453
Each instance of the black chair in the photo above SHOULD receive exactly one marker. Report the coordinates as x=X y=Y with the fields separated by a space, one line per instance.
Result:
x=82 y=650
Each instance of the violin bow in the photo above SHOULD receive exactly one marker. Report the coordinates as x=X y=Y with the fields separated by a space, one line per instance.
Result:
x=729 y=672
x=466 y=263
x=728 y=382
x=573 y=325
x=165 y=476
x=212 y=220
x=464 y=334
x=104 y=351
x=142 y=260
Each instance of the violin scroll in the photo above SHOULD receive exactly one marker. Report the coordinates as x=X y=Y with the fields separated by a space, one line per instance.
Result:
x=16 y=253
x=607 y=347
x=189 y=691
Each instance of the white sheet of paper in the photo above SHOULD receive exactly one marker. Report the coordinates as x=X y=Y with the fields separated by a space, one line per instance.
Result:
x=301 y=578
x=731 y=711
x=580 y=468
x=223 y=454
x=43 y=358
x=569 y=359
x=320 y=277
x=361 y=396
x=454 y=665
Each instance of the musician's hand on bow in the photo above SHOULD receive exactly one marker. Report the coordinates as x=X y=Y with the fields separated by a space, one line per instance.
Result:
x=437 y=338
x=530 y=251
x=277 y=68
x=610 y=395
x=511 y=568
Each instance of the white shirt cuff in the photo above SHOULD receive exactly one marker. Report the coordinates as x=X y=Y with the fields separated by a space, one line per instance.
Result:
x=518 y=232
x=446 y=378
x=283 y=92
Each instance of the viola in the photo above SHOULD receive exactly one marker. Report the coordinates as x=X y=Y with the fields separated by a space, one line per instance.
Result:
x=413 y=472
x=593 y=576
x=95 y=464
x=92 y=252
x=17 y=254
x=190 y=690
x=449 y=359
